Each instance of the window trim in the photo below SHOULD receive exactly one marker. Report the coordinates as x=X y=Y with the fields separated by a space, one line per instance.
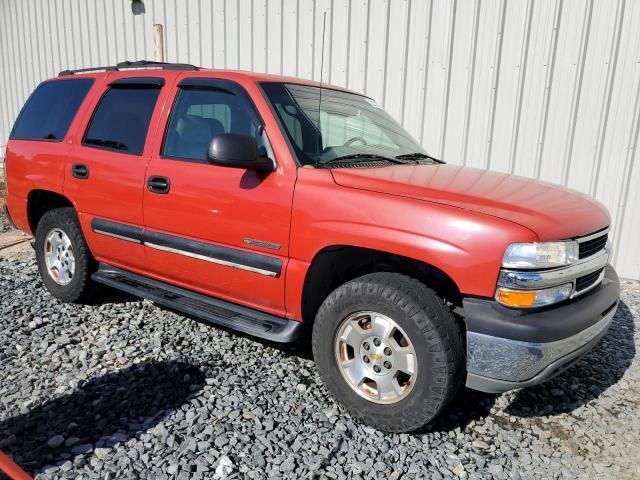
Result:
x=132 y=82
x=211 y=84
x=50 y=140
x=121 y=86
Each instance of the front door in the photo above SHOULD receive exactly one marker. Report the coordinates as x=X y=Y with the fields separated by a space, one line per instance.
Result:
x=217 y=230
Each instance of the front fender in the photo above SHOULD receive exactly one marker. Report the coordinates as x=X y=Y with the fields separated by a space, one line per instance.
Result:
x=467 y=246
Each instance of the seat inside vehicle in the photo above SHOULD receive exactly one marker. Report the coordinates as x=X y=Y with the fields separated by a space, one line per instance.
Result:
x=192 y=136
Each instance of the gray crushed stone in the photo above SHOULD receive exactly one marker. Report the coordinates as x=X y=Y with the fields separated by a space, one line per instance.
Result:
x=125 y=389
x=4 y=223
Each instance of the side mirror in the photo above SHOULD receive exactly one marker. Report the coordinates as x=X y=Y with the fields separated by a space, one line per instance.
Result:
x=238 y=151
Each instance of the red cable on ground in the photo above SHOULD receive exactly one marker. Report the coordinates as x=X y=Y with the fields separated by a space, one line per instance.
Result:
x=9 y=467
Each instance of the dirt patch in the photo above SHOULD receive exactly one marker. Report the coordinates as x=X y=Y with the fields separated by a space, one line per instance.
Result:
x=11 y=238
x=15 y=245
x=20 y=252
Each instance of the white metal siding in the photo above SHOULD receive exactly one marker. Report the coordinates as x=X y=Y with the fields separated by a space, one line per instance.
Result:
x=543 y=88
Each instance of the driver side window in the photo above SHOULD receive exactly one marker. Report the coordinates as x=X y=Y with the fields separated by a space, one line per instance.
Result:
x=198 y=115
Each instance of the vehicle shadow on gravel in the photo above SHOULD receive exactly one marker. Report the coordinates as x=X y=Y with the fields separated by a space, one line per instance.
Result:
x=107 y=295
x=468 y=406
x=300 y=348
x=598 y=370
x=101 y=412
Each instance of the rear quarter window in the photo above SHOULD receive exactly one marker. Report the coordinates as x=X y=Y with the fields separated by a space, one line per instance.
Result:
x=51 y=109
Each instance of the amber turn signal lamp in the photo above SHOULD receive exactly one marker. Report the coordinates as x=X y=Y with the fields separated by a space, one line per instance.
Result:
x=515 y=298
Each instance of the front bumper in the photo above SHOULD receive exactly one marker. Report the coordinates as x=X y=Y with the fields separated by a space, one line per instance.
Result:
x=509 y=348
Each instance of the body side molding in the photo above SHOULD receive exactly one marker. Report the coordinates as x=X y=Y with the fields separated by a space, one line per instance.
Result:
x=221 y=255
x=117 y=230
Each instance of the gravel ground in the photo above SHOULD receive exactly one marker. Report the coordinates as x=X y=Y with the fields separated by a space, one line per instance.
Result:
x=124 y=389
x=4 y=224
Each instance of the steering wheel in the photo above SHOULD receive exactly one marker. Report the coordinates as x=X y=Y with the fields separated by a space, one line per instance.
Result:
x=353 y=140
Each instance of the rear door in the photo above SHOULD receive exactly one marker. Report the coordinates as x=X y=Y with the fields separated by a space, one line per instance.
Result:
x=105 y=169
x=218 y=230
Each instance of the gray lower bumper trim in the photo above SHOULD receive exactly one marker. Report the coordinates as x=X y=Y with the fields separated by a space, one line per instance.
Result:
x=506 y=364
x=492 y=385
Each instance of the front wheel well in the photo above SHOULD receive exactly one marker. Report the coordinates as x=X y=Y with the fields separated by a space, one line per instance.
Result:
x=40 y=202
x=336 y=265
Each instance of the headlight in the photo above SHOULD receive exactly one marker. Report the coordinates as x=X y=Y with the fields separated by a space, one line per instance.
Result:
x=533 y=298
x=540 y=255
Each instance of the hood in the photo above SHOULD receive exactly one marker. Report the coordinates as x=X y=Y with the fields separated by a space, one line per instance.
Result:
x=550 y=211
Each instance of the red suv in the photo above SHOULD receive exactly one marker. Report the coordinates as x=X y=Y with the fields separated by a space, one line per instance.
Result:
x=276 y=206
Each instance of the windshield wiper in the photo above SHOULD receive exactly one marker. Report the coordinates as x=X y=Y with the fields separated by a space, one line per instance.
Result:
x=418 y=156
x=358 y=156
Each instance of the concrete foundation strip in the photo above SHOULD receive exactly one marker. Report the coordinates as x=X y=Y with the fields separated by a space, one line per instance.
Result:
x=14 y=243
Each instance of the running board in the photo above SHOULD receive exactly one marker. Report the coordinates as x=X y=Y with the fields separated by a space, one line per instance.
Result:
x=219 y=312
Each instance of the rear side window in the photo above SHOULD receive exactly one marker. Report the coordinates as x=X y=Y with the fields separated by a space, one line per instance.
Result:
x=121 y=120
x=50 y=110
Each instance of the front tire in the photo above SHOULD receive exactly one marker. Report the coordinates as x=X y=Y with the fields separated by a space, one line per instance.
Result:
x=64 y=260
x=390 y=350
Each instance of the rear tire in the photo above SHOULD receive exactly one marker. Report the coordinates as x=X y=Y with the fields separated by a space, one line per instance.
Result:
x=64 y=260
x=414 y=369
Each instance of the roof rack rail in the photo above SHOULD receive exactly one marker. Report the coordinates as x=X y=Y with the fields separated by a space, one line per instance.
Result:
x=137 y=64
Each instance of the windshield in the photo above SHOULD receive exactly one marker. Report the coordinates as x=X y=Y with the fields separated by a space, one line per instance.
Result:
x=348 y=126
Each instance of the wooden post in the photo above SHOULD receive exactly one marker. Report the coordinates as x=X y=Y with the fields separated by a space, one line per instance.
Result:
x=158 y=42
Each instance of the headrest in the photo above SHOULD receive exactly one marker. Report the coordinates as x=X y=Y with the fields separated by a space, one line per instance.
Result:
x=215 y=126
x=192 y=129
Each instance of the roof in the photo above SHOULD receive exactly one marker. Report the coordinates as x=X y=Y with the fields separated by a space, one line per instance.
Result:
x=150 y=65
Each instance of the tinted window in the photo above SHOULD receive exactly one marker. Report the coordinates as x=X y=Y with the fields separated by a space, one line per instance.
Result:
x=293 y=125
x=334 y=124
x=121 y=120
x=198 y=115
x=50 y=110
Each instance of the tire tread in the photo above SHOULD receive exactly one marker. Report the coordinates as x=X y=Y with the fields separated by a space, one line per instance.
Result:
x=435 y=322
x=81 y=287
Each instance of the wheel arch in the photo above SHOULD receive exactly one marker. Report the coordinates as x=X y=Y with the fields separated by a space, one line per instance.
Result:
x=335 y=265
x=40 y=201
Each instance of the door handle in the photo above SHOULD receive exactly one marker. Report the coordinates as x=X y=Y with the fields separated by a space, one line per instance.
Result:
x=80 y=171
x=157 y=184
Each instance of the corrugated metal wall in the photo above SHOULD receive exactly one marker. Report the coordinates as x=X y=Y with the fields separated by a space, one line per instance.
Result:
x=549 y=89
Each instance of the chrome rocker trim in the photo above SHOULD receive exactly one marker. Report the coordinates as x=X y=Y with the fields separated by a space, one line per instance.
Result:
x=115 y=235
x=211 y=259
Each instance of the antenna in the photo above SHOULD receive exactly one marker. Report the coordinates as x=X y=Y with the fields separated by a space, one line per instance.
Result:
x=324 y=24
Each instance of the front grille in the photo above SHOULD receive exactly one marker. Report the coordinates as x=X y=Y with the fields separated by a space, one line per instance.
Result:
x=587 y=280
x=592 y=246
